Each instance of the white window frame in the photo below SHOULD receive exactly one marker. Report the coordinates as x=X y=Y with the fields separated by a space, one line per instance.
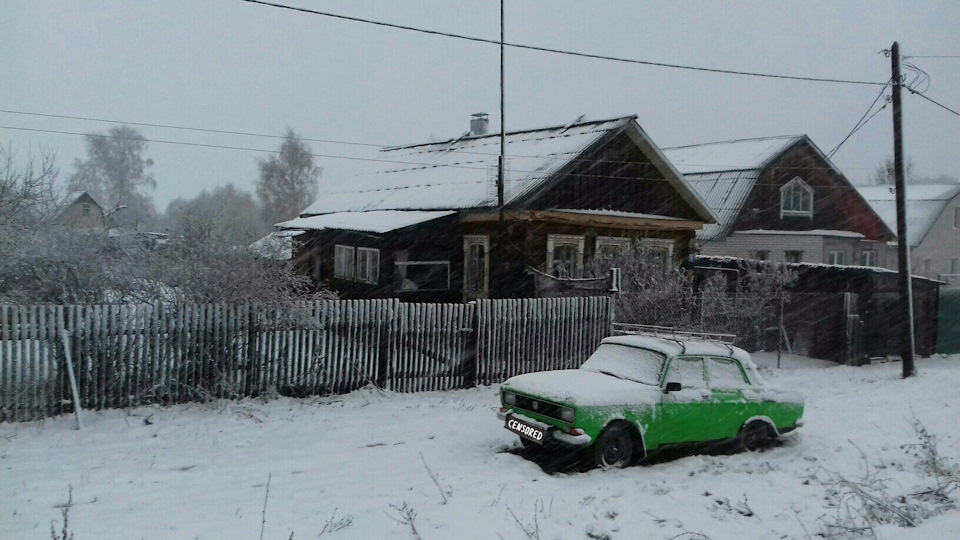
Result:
x=556 y=240
x=788 y=191
x=368 y=265
x=837 y=257
x=424 y=263
x=624 y=244
x=342 y=256
x=756 y=254
x=659 y=244
x=868 y=257
x=470 y=240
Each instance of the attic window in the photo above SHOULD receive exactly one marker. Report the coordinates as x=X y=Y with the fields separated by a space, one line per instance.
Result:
x=85 y=210
x=796 y=199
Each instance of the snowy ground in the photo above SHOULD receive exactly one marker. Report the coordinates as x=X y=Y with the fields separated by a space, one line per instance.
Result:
x=201 y=471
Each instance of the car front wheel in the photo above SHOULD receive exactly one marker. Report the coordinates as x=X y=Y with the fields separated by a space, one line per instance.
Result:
x=614 y=448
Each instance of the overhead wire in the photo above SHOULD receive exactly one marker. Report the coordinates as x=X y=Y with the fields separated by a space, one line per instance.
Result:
x=472 y=165
x=860 y=123
x=561 y=51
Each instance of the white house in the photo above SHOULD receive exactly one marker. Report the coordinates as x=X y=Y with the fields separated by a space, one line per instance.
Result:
x=933 y=226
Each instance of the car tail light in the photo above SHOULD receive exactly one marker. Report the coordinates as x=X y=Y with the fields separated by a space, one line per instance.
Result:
x=576 y=431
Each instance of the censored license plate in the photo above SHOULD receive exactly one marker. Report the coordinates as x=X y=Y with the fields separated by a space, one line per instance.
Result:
x=525 y=430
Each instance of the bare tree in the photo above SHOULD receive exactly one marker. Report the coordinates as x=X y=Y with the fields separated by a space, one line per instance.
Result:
x=884 y=173
x=28 y=194
x=651 y=292
x=288 y=182
x=226 y=214
x=116 y=173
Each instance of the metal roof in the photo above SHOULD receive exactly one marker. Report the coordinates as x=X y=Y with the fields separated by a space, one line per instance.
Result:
x=925 y=203
x=376 y=221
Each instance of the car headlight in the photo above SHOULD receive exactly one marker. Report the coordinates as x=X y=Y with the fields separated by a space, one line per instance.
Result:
x=509 y=398
x=567 y=415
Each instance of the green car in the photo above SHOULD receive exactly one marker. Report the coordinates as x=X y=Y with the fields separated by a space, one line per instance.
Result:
x=638 y=393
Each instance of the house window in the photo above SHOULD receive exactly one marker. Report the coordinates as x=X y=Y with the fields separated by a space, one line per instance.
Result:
x=793 y=256
x=761 y=255
x=85 y=210
x=956 y=218
x=422 y=276
x=927 y=263
x=611 y=246
x=368 y=265
x=662 y=249
x=868 y=258
x=564 y=255
x=343 y=262
x=796 y=199
x=836 y=257
x=954 y=266
x=476 y=265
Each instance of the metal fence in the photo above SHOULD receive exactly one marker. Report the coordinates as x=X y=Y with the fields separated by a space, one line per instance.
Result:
x=130 y=355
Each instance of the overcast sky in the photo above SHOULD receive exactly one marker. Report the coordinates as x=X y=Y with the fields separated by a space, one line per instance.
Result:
x=230 y=65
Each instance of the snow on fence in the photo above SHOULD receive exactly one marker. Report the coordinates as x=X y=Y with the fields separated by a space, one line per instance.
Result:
x=130 y=355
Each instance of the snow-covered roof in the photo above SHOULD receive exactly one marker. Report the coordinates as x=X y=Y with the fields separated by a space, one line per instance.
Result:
x=671 y=347
x=375 y=221
x=738 y=155
x=812 y=232
x=616 y=213
x=724 y=173
x=276 y=245
x=461 y=173
x=876 y=269
x=75 y=196
x=925 y=203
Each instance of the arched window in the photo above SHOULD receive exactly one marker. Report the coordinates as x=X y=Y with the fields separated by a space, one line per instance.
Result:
x=796 y=199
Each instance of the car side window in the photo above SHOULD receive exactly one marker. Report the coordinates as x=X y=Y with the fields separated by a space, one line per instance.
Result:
x=725 y=373
x=688 y=371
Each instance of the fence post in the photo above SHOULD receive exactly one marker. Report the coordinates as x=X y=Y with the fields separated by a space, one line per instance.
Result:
x=383 y=343
x=470 y=348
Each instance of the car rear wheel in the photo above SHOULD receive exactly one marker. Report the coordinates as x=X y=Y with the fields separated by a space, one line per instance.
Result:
x=756 y=437
x=614 y=448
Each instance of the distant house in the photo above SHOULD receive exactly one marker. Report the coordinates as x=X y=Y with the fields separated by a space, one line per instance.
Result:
x=933 y=226
x=426 y=226
x=781 y=199
x=82 y=212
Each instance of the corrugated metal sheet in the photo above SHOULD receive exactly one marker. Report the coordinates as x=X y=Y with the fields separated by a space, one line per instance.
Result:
x=735 y=155
x=462 y=173
x=725 y=193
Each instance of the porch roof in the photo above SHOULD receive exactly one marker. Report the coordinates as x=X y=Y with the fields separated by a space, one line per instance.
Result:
x=375 y=221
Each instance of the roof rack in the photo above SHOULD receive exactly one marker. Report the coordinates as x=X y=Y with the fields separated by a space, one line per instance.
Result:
x=671 y=333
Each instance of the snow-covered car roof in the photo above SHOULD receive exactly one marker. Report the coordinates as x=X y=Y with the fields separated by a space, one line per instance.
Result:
x=671 y=347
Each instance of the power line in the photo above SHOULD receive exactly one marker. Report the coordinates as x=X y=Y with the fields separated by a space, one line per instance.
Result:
x=555 y=156
x=416 y=165
x=931 y=100
x=860 y=123
x=184 y=128
x=932 y=56
x=562 y=51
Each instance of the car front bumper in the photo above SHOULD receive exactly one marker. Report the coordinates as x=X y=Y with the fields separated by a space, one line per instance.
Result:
x=552 y=433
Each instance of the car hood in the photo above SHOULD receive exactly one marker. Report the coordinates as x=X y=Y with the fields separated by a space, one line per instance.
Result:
x=583 y=388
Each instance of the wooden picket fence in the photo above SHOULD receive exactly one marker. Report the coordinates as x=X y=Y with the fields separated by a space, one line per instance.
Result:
x=130 y=355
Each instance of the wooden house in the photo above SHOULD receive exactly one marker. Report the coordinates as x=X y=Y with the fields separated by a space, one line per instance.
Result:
x=81 y=212
x=427 y=225
x=781 y=199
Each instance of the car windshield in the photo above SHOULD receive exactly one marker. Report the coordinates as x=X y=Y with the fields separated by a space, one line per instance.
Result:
x=639 y=365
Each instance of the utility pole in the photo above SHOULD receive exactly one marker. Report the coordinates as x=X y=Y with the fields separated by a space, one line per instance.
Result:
x=903 y=244
x=499 y=256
